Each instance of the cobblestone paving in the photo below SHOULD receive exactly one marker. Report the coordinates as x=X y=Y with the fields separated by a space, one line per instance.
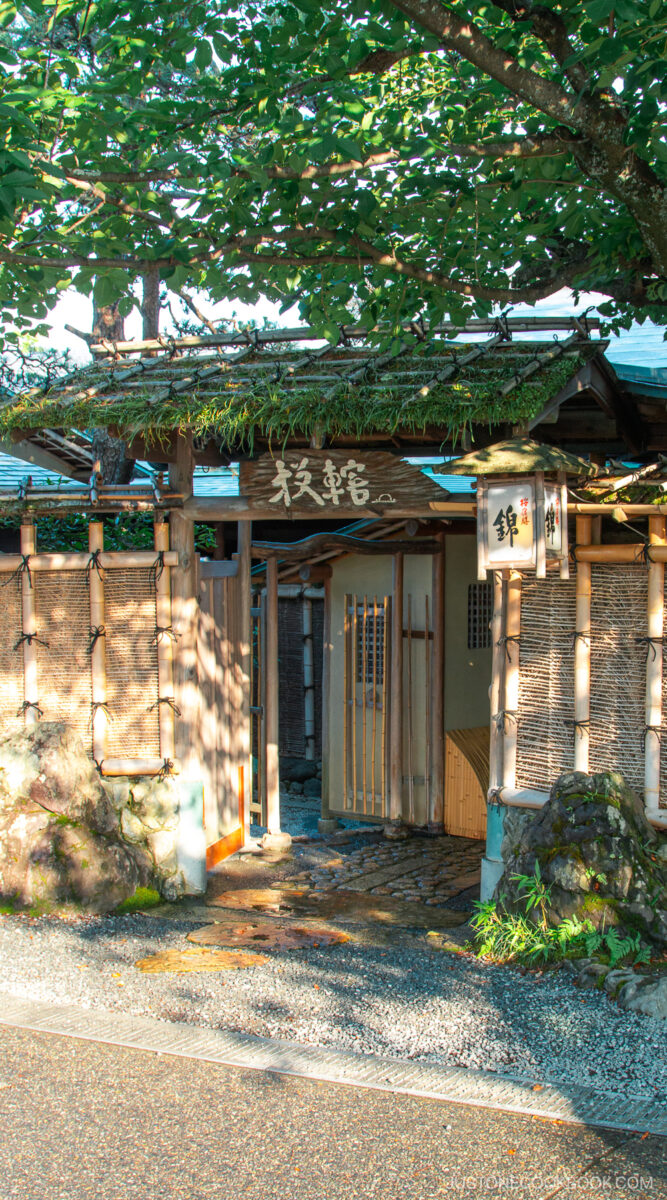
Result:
x=430 y=870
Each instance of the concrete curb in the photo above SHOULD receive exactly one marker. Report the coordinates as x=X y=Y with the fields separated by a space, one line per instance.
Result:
x=481 y=1089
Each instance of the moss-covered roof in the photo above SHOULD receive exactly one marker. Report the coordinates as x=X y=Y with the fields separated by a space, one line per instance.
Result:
x=433 y=387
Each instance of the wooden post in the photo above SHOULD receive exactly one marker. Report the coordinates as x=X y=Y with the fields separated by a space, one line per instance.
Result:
x=164 y=643
x=582 y=652
x=396 y=716
x=511 y=707
x=272 y=699
x=540 y=531
x=327 y=651
x=184 y=616
x=436 y=814
x=243 y=667
x=497 y=691
x=98 y=658
x=654 y=663
x=29 y=622
x=308 y=678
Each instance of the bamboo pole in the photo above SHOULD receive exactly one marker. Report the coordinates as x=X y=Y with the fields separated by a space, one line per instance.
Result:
x=385 y=700
x=582 y=649
x=497 y=693
x=411 y=781
x=540 y=532
x=244 y=670
x=80 y=560
x=622 y=554
x=427 y=705
x=164 y=641
x=396 y=723
x=98 y=657
x=29 y=625
x=271 y=719
x=511 y=708
x=353 y=681
x=139 y=766
x=436 y=815
x=654 y=665
x=364 y=690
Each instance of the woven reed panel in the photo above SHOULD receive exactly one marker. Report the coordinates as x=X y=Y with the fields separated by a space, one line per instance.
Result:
x=618 y=670
x=62 y=608
x=11 y=657
x=132 y=675
x=545 y=743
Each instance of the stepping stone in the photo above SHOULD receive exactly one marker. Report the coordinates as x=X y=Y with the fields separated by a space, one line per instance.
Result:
x=182 y=962
x=273 y=935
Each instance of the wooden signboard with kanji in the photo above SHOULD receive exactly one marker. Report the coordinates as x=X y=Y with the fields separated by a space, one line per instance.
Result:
x=330 y=482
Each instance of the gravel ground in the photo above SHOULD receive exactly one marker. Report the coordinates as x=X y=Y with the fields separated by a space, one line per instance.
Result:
x=408 y=1001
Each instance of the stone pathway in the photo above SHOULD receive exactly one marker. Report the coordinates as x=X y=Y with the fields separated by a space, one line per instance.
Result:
x=431 y=871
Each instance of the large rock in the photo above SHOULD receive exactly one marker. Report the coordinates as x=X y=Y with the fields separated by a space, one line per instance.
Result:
x=599 y=856
x=60 y=839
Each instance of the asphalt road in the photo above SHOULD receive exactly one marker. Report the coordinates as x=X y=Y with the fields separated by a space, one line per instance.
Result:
x=87 y=1121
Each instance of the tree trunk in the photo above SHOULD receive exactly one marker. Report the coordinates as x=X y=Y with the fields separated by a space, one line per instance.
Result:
x=115 y=467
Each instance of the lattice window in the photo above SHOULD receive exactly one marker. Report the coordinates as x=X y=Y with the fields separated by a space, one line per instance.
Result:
x=480 y=612
x=370 y=645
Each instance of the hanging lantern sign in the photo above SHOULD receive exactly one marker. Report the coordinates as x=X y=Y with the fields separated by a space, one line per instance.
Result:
x=520 y=521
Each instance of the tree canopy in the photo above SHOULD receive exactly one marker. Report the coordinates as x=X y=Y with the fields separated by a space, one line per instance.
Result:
x=388 y=160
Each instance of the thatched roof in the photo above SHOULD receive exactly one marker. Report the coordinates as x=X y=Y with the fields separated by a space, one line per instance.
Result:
x=241 y=391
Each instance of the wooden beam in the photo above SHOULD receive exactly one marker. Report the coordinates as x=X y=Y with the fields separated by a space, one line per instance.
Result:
x=272 y=703
x=327 y=650
x=237 y=508
x=243 y=669
x=346 y=543
x=184 y=591
x=436 y=813
x=396 y=715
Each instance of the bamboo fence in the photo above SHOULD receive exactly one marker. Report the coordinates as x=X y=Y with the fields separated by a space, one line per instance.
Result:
x=86 y=638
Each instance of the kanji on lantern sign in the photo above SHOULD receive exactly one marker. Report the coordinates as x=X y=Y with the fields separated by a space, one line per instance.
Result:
x=550 y=523
x=506 y=524
x=335 y=482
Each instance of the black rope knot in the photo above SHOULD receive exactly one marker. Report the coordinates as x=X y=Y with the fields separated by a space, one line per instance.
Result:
x=96 y=632
x=650 y=643
x=94 y=563
x=166 y=769
x=157 y=568
x=505 y=641
x=501 y=718
x=162 y=631
x=169 y=700
x=29 y=704
x=579 y=633
x=656 y=729
x=495 y=796
x=30 y=638
x=577 y=726
x=643 y=556
x=24 y=566
x=96 y=706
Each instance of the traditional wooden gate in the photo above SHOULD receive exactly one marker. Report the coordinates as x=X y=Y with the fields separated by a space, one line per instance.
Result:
x=367 y=691
x=223 y=662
